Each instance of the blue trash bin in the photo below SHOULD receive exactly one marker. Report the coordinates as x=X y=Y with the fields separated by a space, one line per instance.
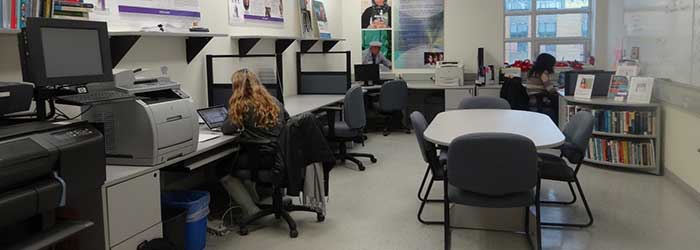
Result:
x=197 y=205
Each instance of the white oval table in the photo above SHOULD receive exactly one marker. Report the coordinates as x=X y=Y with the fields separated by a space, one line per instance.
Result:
x=452 y=124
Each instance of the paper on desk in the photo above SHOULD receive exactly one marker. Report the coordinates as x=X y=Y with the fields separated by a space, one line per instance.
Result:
x=207 y=137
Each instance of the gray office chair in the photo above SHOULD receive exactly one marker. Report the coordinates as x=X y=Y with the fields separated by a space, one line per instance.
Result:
x=478 y=175
x=393 y=99
x=435 y=164
x=350 y=129
x=578 y=133
x=484 y=102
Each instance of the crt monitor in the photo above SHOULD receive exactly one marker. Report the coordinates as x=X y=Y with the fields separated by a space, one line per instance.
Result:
x=65 y=52
x=367 y=72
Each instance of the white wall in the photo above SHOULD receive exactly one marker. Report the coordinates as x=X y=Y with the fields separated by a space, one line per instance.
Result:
x=152 y=52
x=681 y=141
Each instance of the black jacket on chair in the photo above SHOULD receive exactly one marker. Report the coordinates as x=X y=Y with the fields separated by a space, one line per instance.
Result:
x=303 y=143
x=515 y=93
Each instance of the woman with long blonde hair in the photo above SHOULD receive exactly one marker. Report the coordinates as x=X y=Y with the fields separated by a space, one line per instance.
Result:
x=259 y=118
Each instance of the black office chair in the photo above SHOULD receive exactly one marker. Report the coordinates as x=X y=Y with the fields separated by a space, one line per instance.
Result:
x=435 y=164
x=393 y=99
x=350 y=129
x=578 y=133
x=483 y=102
x=264 y=165
x=478 y=175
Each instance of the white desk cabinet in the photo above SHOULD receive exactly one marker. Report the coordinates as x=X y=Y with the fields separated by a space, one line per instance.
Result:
x=133 y=206
x=454 y=96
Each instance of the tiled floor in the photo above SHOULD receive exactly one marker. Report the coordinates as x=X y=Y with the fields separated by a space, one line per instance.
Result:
x=376 y=209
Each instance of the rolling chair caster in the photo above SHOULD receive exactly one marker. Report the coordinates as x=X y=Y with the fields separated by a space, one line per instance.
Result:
x=320 y=217
x=293 y=233
x=243 y=231
x=373 y=159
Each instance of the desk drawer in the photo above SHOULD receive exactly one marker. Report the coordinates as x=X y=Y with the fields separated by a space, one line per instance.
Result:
x=133 y=206
x=154 y=232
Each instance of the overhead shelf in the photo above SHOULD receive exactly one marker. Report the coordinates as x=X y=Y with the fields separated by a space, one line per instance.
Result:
x=122 y=41
x=247 y=43
x=328 y=44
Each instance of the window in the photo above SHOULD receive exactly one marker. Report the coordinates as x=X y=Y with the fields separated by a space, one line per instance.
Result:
x=558 y=27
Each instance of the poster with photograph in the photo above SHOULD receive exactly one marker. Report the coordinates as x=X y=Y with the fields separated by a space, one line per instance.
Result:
x=376 y=14
x=433 y=58
x=641 y=89
x=376 y=48
x=235 y=12
x=263 y=10
x=420 y=33
x=308 y=22
x=619 y=88
x=322 y=18
x=584 y=86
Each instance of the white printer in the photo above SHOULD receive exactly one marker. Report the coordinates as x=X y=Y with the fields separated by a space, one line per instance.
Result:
x=160 y=125
x=449 y=74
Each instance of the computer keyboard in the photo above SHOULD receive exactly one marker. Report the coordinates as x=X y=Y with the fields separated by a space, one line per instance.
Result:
x=94 y=98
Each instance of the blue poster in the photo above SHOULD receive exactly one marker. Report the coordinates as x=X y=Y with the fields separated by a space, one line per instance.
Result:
x=420 y=34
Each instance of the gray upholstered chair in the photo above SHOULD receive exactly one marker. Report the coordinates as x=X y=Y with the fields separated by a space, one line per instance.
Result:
x=484 y=102
x=478 y=175
x=578 y=133
x=435 y=163
x=351 y=128
x=393 y=99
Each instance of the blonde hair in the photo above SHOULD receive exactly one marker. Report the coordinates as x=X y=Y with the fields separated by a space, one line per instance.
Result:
x=249 y=95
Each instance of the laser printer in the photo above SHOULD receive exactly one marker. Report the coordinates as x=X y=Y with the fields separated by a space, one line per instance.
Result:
x=449 y=74
x=51 y=177
x=160 y=125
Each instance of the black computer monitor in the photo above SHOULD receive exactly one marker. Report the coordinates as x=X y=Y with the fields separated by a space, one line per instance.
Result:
x=367 y=73
x=65 y=52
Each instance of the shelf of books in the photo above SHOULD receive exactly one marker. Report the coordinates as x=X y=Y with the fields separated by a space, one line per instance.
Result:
x=626 y=136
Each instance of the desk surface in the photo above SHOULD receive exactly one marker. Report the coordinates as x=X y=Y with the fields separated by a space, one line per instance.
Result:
x=418 y=85
x=298 y=104
x=119 y=173
x=451 y=124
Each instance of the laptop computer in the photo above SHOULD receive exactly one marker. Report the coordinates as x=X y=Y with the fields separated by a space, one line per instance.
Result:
x=214 y=117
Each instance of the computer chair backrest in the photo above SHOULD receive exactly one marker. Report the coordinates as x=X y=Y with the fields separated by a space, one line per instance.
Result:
x=484 y=102
x=493 y=164
x=578 y=133
x=427 y=149
x=393 y=96
x=354 y=108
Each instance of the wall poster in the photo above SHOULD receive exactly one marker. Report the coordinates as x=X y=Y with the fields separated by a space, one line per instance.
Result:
x=377 y=42
x=322 y=18
x=420 y=33
x=309 y=22
x=256 y=10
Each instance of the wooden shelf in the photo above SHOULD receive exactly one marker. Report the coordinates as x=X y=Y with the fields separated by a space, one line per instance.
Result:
x=630 y=136
x=621 y=165
x=247 y=43
x=122 y=41
x=604 y=101
x=328 y=43
x=8 y=32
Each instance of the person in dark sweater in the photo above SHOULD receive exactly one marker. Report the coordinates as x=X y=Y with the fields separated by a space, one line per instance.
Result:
x=258 y=118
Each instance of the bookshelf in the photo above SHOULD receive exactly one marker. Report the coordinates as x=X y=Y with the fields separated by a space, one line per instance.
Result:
x=9 y=32
x=626 y=136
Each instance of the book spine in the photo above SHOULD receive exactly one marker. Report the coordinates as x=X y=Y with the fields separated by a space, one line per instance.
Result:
x=70 y=8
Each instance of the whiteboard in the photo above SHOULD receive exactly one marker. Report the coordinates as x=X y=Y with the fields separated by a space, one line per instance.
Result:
x=664 y=31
